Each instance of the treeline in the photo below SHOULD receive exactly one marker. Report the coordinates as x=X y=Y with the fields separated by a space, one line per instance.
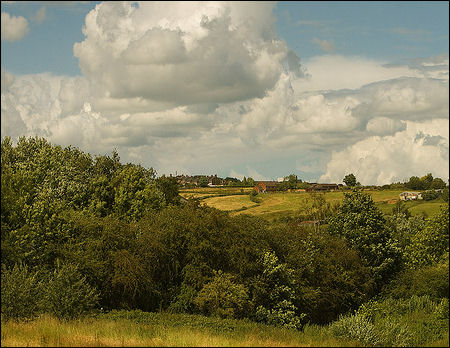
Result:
x=82 y=234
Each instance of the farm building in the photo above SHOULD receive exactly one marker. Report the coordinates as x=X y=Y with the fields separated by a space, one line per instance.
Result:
x=408 y=196
x=266 y=186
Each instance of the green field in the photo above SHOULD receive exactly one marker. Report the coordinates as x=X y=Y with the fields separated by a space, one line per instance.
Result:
x=287 y=203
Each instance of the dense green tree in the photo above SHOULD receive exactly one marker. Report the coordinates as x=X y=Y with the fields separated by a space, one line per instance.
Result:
x=223 y=297
x=135 y=191
x=169 y=188
x=350 y=180
x=445 y=194
x=203 y=181
x=362 y=224
x=438 y=183
x=20 y=292
x=403 y=227
x=427 y=181
x=431 y=280
x=432 y=243
x=330 y=277
x=430 y=195
x=415 y=183
x=67 y=294
x=400 y=208
x=273 y=294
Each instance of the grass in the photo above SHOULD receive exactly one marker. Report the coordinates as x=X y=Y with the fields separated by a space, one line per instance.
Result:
x=230 y=202
x=135 y=328
x=279 y=204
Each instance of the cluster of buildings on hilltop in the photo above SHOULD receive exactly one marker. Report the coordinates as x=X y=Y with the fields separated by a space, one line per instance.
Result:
x=194 y=180
x=261 y=186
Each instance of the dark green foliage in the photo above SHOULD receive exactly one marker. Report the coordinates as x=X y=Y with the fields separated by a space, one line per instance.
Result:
x=432 y=281
x=223 y=297
x=203 y=181
x=273 y=294
x=169 y=188
x=445 y=194
x=330 y=278
x=79 y=234
x=412 y=322
x=400 y=208
x=415 y=183
x=350 y=180
x=362 y=224
x=67 y=295
x=254 y=196
x=438 y=183
x=430 y=195
x=432 y=243
x=64 y=293
x=21 y=288
x=426 y=182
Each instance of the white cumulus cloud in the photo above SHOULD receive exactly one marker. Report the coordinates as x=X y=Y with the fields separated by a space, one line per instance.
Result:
x=383 y=160
x=13 y=28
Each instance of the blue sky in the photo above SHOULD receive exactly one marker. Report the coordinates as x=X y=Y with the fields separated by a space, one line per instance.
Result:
x=395 y=31
x=388 y=30
x=314 y=88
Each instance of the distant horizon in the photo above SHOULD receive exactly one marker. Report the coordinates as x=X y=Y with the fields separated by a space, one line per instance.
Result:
x=318 y=89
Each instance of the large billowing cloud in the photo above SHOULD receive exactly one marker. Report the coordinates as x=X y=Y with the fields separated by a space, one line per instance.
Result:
x=182 y=53
x=13 y=28
x=418 y=150
x=207 y=87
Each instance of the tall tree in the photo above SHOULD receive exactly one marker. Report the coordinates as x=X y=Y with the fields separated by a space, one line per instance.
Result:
x=350 y=180
x=362 y=224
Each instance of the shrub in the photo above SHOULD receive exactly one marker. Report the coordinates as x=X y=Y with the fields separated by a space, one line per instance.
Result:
x=274 y=295
x=430 y=195
x=429 y=280
x=20 y=291
x=67 y=294
x=416 y=321
x=223 y=297
x=430 y=245
x=356 y=327
x=445 y=194
x=254 y=196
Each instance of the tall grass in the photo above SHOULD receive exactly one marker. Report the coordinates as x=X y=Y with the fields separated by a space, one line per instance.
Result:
x=413 y=322
x=135 y=328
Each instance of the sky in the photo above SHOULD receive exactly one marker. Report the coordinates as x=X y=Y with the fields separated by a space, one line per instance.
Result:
x=257 y=89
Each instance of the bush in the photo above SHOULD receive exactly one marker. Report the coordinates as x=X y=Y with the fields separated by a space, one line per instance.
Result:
x=20 y=292
x=254 y=196
x=416 y=321
x=223 y=297
x=356 y=327
x=430 y=195
x=274 y=295
x=429 y=280
x=67 y=295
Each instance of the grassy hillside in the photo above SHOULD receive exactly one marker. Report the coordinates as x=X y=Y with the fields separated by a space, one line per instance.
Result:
x=286 y=203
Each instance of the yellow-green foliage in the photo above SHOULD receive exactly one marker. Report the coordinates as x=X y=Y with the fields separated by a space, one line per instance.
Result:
x=412 y=322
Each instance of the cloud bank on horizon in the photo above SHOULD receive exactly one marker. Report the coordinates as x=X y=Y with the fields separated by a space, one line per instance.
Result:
x=208 y=87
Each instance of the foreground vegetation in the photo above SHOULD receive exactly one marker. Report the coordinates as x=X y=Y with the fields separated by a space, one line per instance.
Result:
x=83 y=235
x=415 y=322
